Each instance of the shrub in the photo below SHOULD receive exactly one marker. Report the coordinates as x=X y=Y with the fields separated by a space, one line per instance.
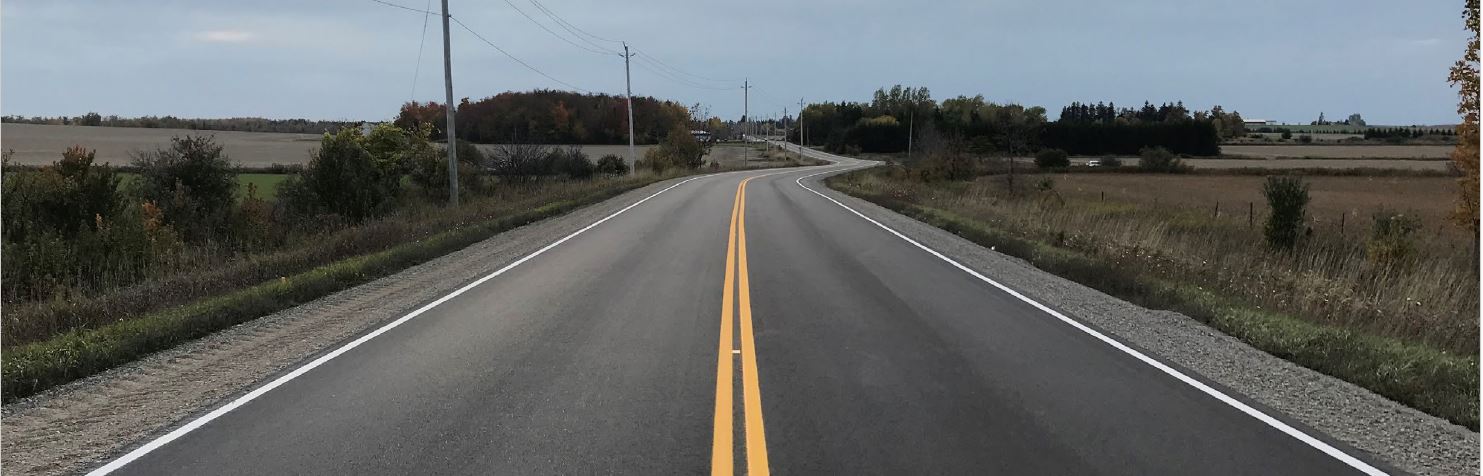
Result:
x=572 y=162
x=1286 y=135
x=1288 y=199
x=520 y=160
x=343 y=179
x=1159 y=159
x=1390 y=239
x=612 y=165
x=1305 y=138
x=679 y=150
x=428 y=166
x=1112 y=161
x=945 y=165
x=67 y=226
x=193 y=183
x=1052 y=159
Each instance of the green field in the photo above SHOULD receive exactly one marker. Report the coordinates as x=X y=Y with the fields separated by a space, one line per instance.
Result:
x=266 y=184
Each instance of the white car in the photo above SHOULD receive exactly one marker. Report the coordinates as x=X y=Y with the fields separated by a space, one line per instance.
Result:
x=1094 y=163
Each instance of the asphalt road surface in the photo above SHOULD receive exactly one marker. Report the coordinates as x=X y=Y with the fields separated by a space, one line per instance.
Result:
x=736 y=323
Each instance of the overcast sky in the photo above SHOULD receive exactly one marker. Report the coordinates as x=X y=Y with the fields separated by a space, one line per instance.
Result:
x=356 y=59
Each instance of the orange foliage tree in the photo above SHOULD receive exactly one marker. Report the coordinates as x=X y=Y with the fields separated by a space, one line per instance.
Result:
x=1465 y=75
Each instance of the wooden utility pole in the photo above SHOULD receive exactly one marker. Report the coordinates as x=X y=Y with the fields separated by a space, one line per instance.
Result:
x=628 y=79
x=448 y=107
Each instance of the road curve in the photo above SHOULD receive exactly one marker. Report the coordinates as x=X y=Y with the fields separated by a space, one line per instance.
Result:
x=735 y=322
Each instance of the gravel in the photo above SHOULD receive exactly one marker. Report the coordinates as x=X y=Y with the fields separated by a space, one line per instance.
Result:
x=1408 y=439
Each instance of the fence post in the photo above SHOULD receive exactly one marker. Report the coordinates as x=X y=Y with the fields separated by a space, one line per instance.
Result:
x=1342 y=217
x=1250 y=213
x=1217 y=209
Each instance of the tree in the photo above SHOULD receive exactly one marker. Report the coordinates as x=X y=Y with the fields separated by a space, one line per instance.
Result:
x=1355 y=120
x=192 y=182
x=1464 y=73
x=1288 y=199
x=1052 y=159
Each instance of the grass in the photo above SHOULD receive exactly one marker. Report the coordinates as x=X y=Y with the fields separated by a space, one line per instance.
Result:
x=1408 y=333
x=55 y=342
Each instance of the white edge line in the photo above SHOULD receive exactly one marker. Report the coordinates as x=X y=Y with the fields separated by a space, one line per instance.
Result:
x=243 y=400
x=1198 y=385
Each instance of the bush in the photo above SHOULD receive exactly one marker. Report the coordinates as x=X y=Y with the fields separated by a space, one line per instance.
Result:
x=1112 y=161
x=1390 y=238
x=1288 y=199
x=1286 y=134
x=572 y=162
x=192 y=182
x=342 y=179
x=67 y=226
x=945 y=166
x=520 y=160
x=679 y=150
x=1305 y=138
x=1160 y=160
x=428 y=166
x=612 y=165
x=1052 y=159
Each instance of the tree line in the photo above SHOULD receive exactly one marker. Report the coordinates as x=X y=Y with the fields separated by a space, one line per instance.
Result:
x=236 y=124
x=899 y=117
x=550 y=117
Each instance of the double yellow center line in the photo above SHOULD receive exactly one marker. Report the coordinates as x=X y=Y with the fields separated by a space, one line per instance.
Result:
x=722 y=446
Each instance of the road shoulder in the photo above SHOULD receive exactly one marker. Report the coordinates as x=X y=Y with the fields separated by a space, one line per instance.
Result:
x=79 y=425
x=1406 y=438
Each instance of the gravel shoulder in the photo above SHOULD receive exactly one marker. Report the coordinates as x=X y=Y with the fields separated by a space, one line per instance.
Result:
x=74 y=427
x=1408 y=439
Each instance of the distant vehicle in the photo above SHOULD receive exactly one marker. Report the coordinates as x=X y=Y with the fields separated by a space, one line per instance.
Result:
x=1094 y=163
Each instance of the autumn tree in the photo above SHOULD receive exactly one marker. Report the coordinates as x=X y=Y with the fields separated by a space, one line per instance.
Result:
x=1465 y=156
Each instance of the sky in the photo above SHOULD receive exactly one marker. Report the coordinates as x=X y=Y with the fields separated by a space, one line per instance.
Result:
x=359 y=60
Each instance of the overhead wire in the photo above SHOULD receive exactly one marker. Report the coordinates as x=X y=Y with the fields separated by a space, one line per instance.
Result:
x=421 y=43
x=569 y=26
x=600 y=50
x=513 y=57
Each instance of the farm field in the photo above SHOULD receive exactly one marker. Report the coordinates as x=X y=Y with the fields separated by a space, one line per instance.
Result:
x=1339 y=151
x=1216 y=164
x=1428 y=198
x=38 y=144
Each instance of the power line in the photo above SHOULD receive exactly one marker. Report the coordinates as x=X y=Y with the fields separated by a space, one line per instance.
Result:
x=421 y=42
x=403 y=7
x=569 y=27
x=512 y=57
x=680 y=71
x=603 y=51
x=680 y=80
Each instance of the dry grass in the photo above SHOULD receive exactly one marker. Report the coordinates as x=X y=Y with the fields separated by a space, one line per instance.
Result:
x=1168 y=224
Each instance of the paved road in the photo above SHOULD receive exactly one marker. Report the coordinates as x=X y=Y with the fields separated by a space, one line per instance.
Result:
x=733 y=322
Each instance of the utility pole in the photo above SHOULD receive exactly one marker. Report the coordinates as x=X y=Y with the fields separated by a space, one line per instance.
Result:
x=801 y=140
x=785 y=129
x=628 y=78
x=911 y=130
x=746 y=119
x=448 y=107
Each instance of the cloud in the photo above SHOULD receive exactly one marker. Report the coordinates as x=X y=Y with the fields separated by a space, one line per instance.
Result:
x=225 y=36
